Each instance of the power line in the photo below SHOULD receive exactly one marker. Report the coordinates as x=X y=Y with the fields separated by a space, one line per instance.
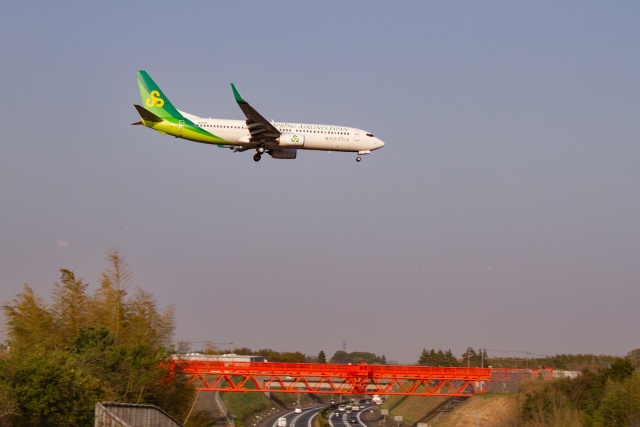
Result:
x=518 y=351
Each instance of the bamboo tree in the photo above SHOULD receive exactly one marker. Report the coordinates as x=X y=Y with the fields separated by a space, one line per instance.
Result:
x=147 y=324
x=70 y=305
x=28 y=322
x=109 y=305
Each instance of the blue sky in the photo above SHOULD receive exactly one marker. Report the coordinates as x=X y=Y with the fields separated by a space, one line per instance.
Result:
x=502 y=212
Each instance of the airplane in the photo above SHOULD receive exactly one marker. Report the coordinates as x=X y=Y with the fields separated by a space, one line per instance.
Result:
x=281 y=140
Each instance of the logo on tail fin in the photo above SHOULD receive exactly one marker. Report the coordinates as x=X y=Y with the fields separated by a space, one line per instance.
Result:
x=154 y=99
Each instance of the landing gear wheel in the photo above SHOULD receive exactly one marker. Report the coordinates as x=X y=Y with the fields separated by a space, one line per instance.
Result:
x=260 y=150
x=256 y=157
x=358 y=158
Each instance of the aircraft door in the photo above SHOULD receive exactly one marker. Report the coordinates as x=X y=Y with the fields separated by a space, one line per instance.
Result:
x=356 y=136
x=180 y=125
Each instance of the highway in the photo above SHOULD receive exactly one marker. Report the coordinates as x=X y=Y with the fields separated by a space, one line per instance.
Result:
x=303 y=419
x=307 y=417
x=343 y=420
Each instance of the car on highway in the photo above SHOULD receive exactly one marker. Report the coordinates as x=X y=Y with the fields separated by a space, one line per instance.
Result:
x=342 y=408
x=337 y=414
x=353 y=420
x=298 y=410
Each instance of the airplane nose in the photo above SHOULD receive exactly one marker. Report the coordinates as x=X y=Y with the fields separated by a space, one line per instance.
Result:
x=380 y=143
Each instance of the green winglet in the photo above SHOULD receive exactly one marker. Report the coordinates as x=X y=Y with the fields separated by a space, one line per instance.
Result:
x=237 y=95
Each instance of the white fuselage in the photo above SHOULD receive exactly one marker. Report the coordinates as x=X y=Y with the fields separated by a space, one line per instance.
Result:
x=309 y=136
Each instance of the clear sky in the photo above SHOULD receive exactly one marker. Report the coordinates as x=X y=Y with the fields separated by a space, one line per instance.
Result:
x=503 y=212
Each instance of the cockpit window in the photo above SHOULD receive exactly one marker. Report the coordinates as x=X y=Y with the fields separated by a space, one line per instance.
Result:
x=369 y=134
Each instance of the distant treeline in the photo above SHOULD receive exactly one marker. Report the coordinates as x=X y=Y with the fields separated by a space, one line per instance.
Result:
x=298 y=357
x=480 y=358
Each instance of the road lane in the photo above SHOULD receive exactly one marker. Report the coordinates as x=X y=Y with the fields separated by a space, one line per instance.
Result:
x=303 y=419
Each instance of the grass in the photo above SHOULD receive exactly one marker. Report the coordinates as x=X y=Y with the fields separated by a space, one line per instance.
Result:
x=241 y=405
x=414 y=409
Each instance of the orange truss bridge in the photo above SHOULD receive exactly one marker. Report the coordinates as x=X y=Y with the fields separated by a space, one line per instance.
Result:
x=339 y=379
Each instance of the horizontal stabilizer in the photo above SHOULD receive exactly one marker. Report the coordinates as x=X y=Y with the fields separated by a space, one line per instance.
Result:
x=146 y=114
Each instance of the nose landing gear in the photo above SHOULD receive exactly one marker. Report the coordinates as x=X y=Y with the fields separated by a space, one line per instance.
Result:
x=360 y=153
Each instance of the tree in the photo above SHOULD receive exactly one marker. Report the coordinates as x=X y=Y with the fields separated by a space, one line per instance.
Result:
x=92 y=341
x=210 y=348
x=70 y=305
x=620 y=370
x=28 y=322
x=634 y=357
x=545 y=404
x=52 y=390
x=608 y=397
x=425 y=358
x=340 y=357
x=81 y=350
x=184 y=347
x=450 y=359
x=471 y=358
x=439 y=358
x=109 y=305
x=357 y=357
x=145 y=324
x=8 y=398
x=321 y=357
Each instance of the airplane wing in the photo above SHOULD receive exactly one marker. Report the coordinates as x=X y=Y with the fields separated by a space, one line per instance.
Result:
x=259 y=127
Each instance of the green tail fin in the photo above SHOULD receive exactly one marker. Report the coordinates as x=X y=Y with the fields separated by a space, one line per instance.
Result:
x=153 y=99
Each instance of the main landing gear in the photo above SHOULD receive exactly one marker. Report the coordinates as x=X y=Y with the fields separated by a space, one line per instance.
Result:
x=258 y=155
x=358 y=158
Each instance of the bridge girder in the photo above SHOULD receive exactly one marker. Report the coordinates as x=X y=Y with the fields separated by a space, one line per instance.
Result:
x=243 y=377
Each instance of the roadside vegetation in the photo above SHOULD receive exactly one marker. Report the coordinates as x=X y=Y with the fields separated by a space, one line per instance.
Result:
x=414 y=409
x=605 y=391
x=241 y=405
x=66 y=354
x=604 y=398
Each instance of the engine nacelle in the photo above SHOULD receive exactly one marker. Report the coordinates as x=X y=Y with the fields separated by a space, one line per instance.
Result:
x=286 y=153
x=291 y=140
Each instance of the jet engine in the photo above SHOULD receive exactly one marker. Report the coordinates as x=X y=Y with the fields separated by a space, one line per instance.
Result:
x=291 y=140
x=286 y=153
